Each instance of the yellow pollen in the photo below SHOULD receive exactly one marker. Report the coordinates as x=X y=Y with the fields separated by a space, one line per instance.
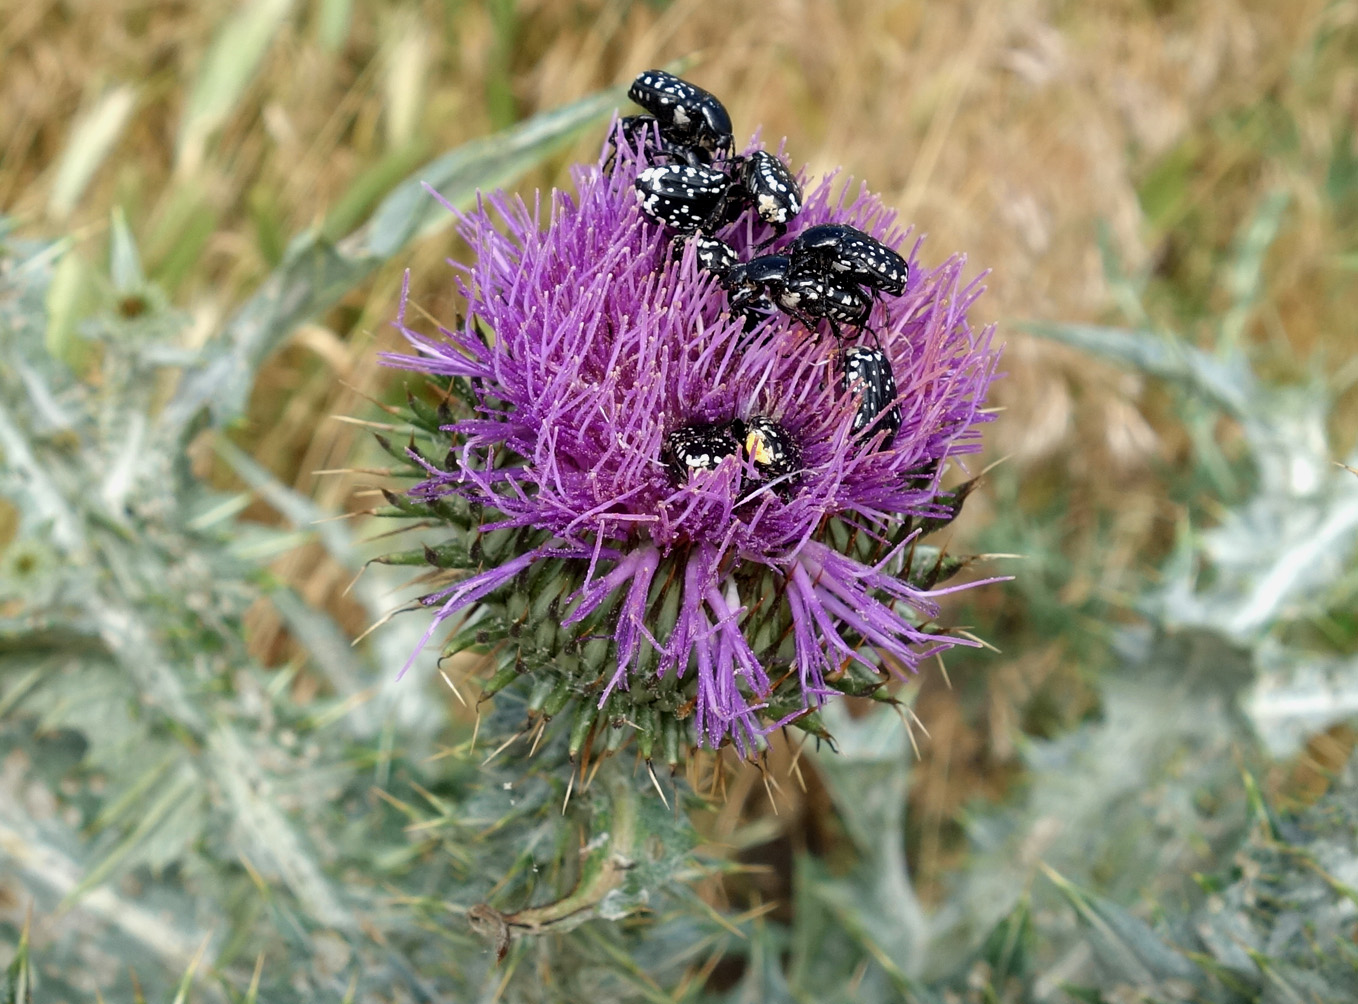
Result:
x=758 y=448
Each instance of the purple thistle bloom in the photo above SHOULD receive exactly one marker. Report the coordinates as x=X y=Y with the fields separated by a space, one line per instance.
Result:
x=586 y=346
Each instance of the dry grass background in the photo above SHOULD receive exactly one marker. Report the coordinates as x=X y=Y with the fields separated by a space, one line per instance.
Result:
x=1016 y=131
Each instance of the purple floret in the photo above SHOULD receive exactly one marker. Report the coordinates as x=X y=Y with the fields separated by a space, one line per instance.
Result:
x=589 y=346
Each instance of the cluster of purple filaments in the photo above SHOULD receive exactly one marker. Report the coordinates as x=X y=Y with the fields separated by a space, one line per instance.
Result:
x=589 y=345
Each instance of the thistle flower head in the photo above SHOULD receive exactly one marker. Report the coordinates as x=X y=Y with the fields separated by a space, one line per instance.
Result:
x=734 y=595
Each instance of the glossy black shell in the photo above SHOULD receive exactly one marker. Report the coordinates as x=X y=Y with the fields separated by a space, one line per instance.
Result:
x=867 y=372
x=685 y=197
x=688 y=115
x=771 y=448
x=850 y=255
x=698 y=448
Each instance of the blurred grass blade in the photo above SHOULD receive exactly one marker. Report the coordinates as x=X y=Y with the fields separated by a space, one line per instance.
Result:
x=1227 y=383
x=1125 y=289
x=227 y=70
x=1244 y=277
x=333 y=19
x=1010 y=947
x=315 y=273
x=299 y=510
x=187 y=981
x=68 y=300
x=403 y=82
x=172 y=797
x=92 y=137
x=504 y=20
x=185 y=222
x=19 y=975
x=480 y=165
x=124 y=263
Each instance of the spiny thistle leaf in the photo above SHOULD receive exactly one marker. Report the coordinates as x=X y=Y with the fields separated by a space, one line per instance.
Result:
x=871 y=914
x=1123 y=798
x=1227 y=383
x=1127 y=949
x=1288 y=916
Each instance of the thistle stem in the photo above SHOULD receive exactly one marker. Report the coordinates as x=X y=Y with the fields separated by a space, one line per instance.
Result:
x=606 y=856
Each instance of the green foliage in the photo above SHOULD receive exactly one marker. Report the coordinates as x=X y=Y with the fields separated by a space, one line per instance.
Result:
x=213 y=835
x=179 y=800
x=186 y=824
x=1134 y=802
x=1278 y=926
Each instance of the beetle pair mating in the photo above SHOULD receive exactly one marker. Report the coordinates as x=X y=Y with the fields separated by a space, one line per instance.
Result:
x=704 y=187
x=831 y=271
x=685 y=122
x=770 y=448
x=700 y=198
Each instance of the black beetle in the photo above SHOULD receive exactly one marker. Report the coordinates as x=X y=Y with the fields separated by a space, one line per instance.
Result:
x=685 y=197
x=765 y=184
x=804 y=295
x=867 y=372
x=694 y=125
x=850 y=255
x=698 y=448
x=770 y=447
x=712 y=254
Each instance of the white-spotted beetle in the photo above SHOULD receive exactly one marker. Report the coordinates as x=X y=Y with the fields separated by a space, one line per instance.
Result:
x=867 y=373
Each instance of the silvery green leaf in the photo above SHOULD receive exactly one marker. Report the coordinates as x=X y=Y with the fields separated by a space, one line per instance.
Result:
x=1298 y=694
x=763 y=982
x=1229 y=383
x=85 y=692
x=69 y=300
x=274 y=843
x=41 y=856
x=1277 y=554
x=1289 y=984
x=124 y=262
x=1127 y=949
x=315 y=273
x=1280 y=552
x=169 y=818
x=1244 y=279
x=1282 y=924
x=868 y=779
x=1121 y=798
x=19 y=974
